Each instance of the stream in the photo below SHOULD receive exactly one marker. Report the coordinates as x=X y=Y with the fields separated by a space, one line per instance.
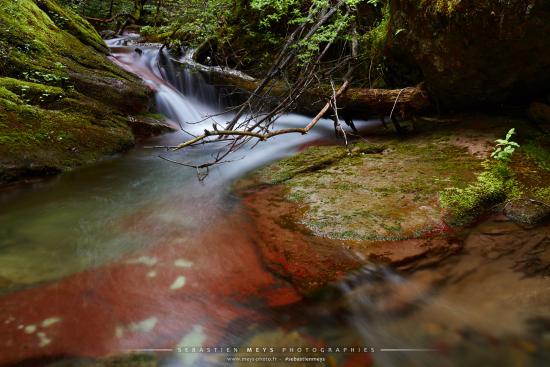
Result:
x=134 y=255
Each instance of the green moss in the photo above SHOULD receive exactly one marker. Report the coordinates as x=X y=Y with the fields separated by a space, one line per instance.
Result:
x=492 y=186
x=66 y=19
x=375 y=39
x=446 y=7
x=543 y=194
x=32 y=39
x=538 y=150
x=32 y=93
x=7 y=97
x=62 y=103
x=313 y=159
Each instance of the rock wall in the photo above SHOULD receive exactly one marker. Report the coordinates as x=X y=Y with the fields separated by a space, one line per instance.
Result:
x=472 y=53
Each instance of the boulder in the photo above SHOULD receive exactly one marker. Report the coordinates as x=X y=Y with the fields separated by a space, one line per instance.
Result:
x=471 y=53
x=539 y=112
x=63 y=103
x=527 y=212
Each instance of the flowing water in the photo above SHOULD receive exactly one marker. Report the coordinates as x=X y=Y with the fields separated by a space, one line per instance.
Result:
x=134 y=253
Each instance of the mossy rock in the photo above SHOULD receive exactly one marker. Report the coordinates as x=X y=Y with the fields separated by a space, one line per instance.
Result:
x=527 y=212
x=62 y=102
x=313 y=159
x=376 y=192
x=33 y=93
x=66 y=19
x=493 y=186
x=538 y=149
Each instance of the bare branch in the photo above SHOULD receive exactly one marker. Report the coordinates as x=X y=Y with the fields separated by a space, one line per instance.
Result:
x=263 y=137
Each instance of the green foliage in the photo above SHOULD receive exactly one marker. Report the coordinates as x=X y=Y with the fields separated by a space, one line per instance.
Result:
x=325 y=34
x=148 y=30
x=446 y=7
x=293 y=12
x=42 y=77
x=505 y=147
x=538 y=149
x=492 y=186
x=375 y=39
x=543 y=194
x=496 y=184
x=99 y=8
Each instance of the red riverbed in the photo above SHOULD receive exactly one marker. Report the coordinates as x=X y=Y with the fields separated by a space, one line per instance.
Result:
x=151 y=299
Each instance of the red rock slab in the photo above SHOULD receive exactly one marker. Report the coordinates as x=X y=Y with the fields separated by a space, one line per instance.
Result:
x=288 y=249
x=309 y=261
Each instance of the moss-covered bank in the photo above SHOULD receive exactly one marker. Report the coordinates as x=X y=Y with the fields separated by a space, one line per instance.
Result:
x=62 y=102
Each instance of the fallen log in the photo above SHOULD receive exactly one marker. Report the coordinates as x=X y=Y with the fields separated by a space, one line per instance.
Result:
x=385 y=102
x=362 y=103
x=108 y=20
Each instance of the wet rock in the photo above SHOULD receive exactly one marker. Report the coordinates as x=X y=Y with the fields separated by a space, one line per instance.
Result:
x=147 y=126
x=373 y=193
x=107 y=34
x=539 y=112
x=324 y=212
x=527 y=212
x=128 y=96
x=5 y=282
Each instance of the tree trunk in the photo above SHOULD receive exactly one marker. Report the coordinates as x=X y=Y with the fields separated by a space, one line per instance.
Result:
x=138 y=9
x=361 y=103
x=111 y=8
x=157 y=13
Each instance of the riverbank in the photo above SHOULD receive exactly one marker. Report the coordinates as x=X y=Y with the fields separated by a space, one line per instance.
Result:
x=367 y=233
x=326 y=211
x=63 y=103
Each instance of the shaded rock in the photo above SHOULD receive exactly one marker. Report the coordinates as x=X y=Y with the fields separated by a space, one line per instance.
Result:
x=107 y=34
x=10 y=173
x=472 y=53
x=527 y=212
x=144 y=127
x=124 y=95
x=539 y=112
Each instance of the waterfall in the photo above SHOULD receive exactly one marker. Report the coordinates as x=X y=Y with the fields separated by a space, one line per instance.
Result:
x=184 y=97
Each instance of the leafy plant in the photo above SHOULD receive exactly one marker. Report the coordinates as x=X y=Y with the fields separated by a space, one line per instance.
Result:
x=505 y=147
x=40 y=77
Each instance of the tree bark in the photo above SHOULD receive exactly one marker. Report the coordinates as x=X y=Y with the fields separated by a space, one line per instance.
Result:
x=111 y=8
x=355 y=102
